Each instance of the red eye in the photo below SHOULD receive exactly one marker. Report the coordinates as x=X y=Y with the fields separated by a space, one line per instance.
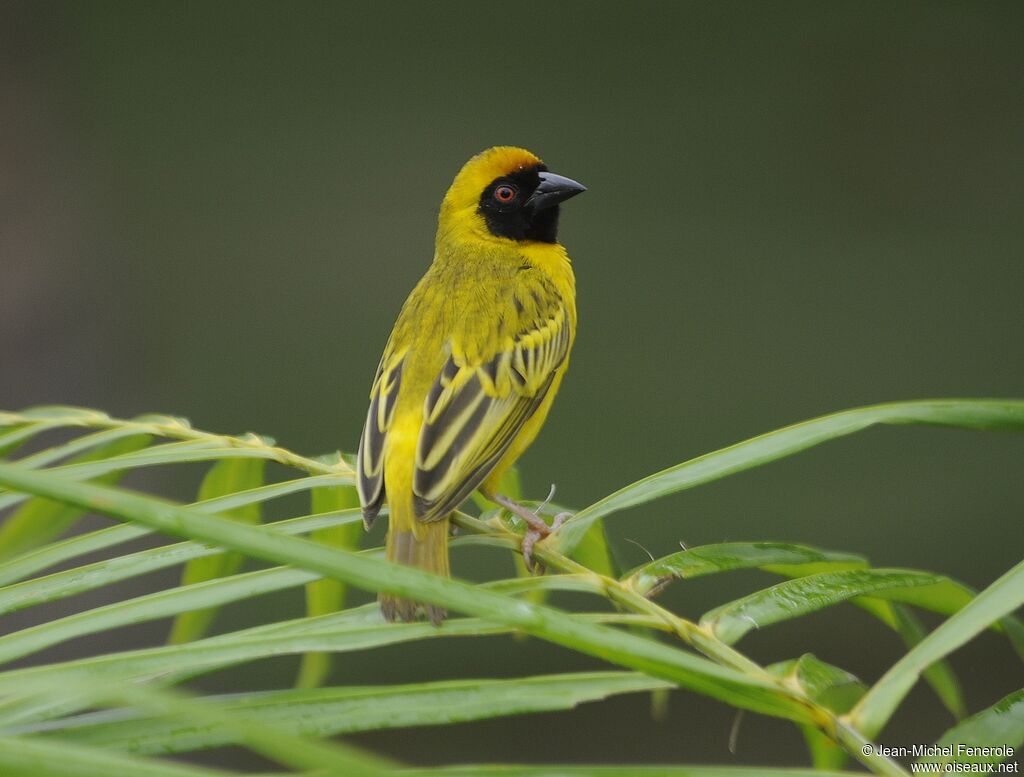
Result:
x=505 y=193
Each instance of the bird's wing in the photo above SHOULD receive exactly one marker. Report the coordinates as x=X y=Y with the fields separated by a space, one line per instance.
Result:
x=476 y=408
x=370 y=463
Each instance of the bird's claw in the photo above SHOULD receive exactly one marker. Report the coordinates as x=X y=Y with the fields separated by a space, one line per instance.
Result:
x=536 y=529
x=529 y=540
x=532 y=536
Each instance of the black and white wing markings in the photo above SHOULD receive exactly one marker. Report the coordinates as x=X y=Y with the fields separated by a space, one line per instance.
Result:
x=474 y=412
x=370 y=461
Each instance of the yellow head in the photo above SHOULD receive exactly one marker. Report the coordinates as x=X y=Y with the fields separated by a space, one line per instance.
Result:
x=505 y=193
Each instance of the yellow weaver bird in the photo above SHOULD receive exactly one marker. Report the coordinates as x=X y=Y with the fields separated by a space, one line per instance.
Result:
x=473 y=363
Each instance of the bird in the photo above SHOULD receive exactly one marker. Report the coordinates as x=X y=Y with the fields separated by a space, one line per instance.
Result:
x=472 y=365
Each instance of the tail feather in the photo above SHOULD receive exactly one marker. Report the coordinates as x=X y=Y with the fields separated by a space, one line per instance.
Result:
x=428 y=551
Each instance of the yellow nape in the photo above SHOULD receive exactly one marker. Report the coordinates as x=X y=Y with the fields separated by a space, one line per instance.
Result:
x=479 y=171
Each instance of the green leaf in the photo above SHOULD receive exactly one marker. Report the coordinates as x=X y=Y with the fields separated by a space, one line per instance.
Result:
x=94 y=467
x=18 y=428
x=211 y=593
x=628 y=650
x=283 y=747
x=79 y=445
x=326 y=712
x=35 y=757
x=825 y=754
x=100 y=573
x=188 y=451
x=939 y=675
x=782 y=558
x=161 y=604
x=39 y=520
x=804 y=595
x=327 y=596
x=61 y=415
x=60 y=552
x=1014 y=630
x=353 y=630
x=1004 y=596
x=1007 y=414
x=834 y=688
x=18 y=434
x=229 y=476
x=727 y=556
x=593 y=551
x=1000 y=728
x=200 y=446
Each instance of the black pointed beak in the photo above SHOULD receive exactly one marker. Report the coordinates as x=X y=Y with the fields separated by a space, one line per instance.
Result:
x=552 y=190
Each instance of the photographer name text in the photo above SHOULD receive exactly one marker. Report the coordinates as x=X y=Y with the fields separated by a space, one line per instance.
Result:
x=961 y=754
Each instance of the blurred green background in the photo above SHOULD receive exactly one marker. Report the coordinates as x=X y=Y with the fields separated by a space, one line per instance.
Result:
x=216 y=210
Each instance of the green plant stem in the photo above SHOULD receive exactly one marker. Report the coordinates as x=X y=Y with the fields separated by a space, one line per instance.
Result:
x=841 y=732
x=1000 y=598
x=178 y=429
x=692 y=634
x=1005 y=414
x=764 y=695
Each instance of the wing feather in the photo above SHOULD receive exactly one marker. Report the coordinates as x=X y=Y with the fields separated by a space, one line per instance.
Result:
x=370 y=458
x=476 y=409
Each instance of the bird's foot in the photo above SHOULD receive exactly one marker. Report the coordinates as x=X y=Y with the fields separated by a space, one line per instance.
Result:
x=536 y=527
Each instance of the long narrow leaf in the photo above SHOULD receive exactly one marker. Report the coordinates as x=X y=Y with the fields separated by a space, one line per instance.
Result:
x=940 y=675
x=795 y=561
x=37 y=757
x=212 y=593
x=354 y=630
x=190 y=451
x=1005 y=414
x=792 y=561
x=14 y=436
x=594 y=552
x=804 y=595
x=729 y=556
x=627 y=650
x=283 y=747
x=1004 y=596
x=78 y=445
x=989 y=737
x=165 y=453
x=17 y=433
x=226 y=477
x=39 y=520
x=59 y=415
x=835 y=688
x=89 y=577
x=176 y=428
x=329 y=711
x=327 y=596
x=59 y=552
x=161 y=604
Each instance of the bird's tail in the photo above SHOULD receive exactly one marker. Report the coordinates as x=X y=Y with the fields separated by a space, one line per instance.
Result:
x=421 y=545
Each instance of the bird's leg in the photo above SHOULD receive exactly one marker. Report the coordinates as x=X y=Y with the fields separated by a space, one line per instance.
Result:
x=536 y=527
x=532 y=520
